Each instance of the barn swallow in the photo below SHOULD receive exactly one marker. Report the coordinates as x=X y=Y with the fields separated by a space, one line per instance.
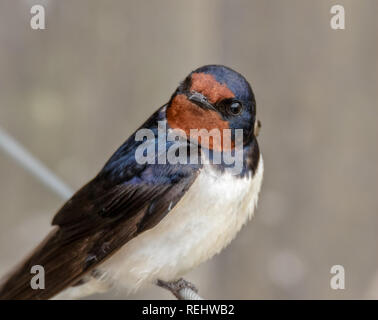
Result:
x=137 y=223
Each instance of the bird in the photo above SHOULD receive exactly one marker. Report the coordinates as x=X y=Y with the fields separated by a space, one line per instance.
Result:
x=141 y=222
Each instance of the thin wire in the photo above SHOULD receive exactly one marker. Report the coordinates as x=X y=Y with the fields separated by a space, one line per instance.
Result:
x=31 y=164
x=189 y=294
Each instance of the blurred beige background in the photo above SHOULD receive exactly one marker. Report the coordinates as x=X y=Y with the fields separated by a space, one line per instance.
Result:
x=74 y=92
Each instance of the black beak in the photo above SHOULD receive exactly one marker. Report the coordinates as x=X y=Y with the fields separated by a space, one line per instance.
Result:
x=200 y=100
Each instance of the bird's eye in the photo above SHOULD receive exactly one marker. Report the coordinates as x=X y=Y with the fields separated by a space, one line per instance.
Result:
x=235 y=108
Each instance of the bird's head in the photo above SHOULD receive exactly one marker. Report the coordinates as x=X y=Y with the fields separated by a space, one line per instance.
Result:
x=214 y=97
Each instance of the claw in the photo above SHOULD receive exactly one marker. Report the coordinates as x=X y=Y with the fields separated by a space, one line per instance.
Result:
x=176 y=286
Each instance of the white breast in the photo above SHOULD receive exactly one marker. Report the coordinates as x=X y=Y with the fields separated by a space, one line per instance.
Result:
x=204 y=221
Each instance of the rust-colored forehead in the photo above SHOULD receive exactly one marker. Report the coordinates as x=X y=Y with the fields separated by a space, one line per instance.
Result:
x=207 y=85
x=185 y=115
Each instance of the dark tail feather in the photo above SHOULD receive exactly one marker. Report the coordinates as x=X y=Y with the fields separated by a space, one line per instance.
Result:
x=63 y=266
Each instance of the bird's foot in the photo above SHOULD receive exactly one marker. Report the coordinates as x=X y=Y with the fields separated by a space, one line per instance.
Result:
x=176 y=286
